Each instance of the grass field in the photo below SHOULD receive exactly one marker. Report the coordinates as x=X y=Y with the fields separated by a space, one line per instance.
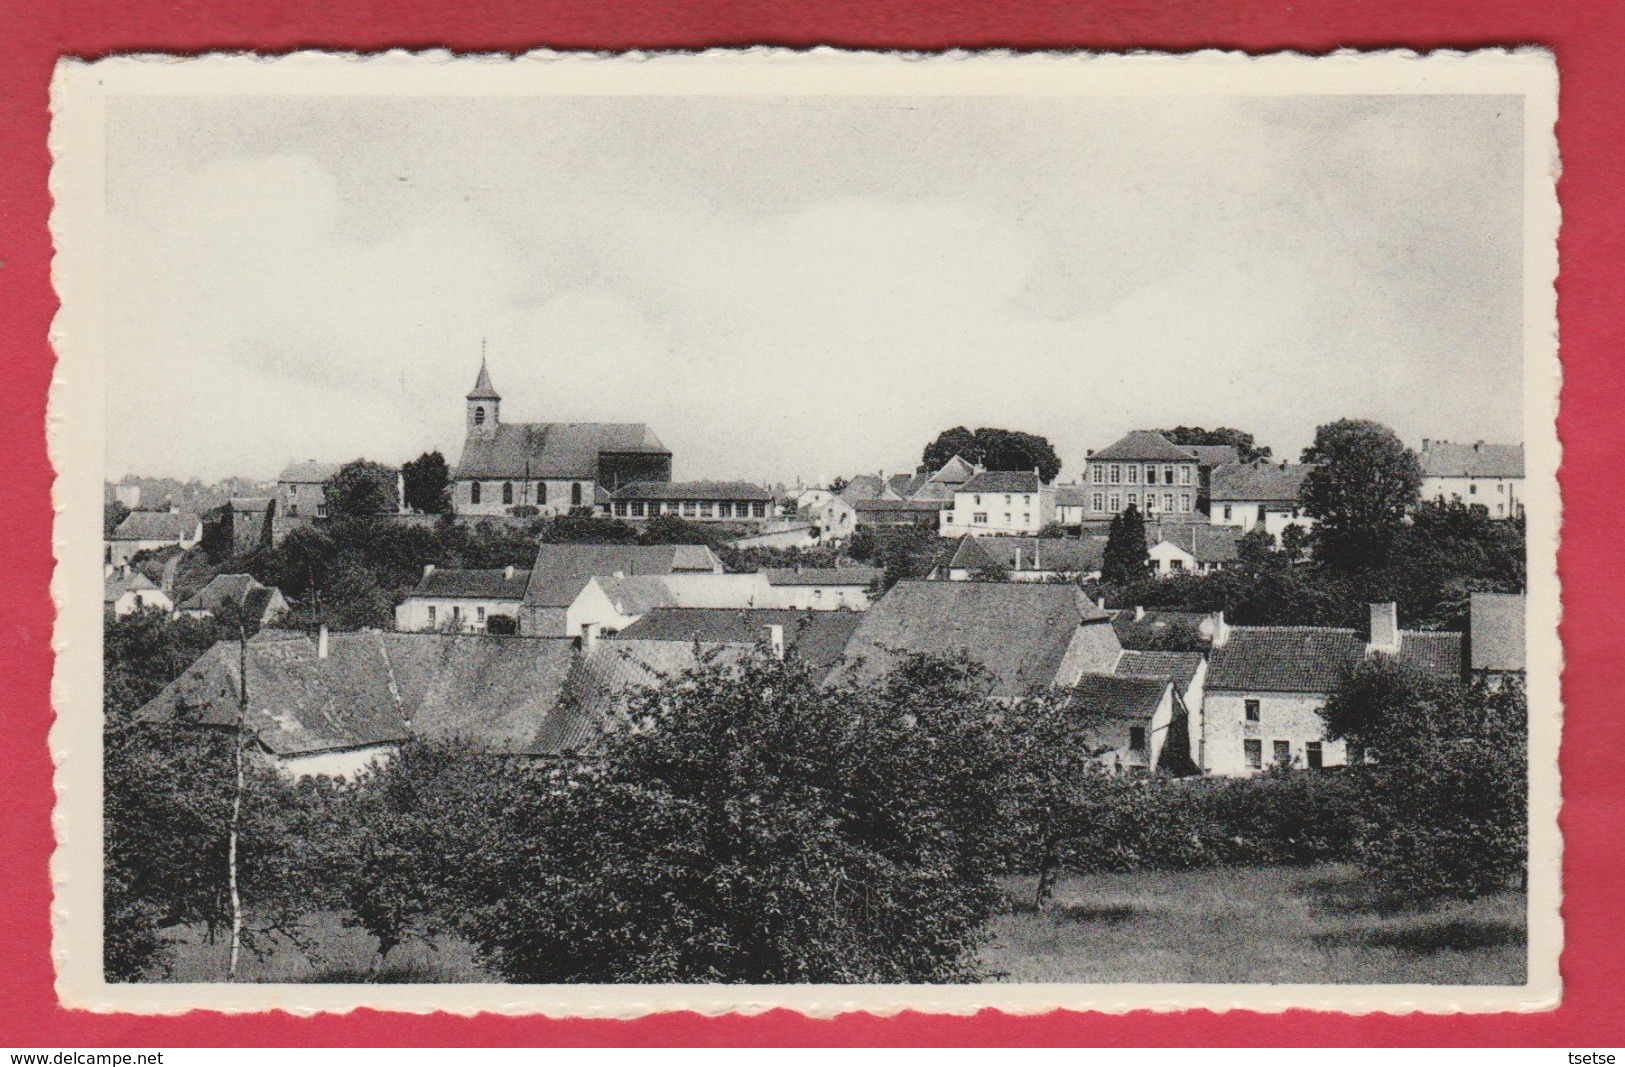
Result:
x=1235 y=924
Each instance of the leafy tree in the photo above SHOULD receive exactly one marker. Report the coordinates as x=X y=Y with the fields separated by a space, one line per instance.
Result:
x=837 y=483
x=1296 y=542
x=995 y=450
x=1248 y=450
x=903 y=553
x=579 y=529
x=145 y=651
x=427 y=484
x=361 y=489
x=1255 y=552
x=1445 y=794
x=675 y=530
x=113 y=513
x=756 y=826
x=1127 y=557
x=1055 y=782
x=1364 y=484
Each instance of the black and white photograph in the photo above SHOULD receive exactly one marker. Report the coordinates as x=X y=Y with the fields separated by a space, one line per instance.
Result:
x=841 y=531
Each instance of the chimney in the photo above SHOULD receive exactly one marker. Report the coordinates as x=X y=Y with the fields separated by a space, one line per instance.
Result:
x=507 y=573
x=321 y=642
x=1088 y=452
x=1018 y=556
x=1384 y=629
x=428 y=569
x=1102 y=603
x=400 y=492
x=1221 y=630
x=775 y=640
x=589 y=638
x=1139 y=612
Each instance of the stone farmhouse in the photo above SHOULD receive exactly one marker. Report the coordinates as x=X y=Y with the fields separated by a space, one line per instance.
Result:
x=464 y=601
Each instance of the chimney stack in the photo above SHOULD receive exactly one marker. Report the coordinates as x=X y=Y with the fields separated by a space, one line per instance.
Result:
x=1221 y=630
x=428 y=569
x=1384 y=629
x=775 y=640
x=321 y=642
x=589 y=637
x=1102 y=603
x=507 y=573
x=1139 y=612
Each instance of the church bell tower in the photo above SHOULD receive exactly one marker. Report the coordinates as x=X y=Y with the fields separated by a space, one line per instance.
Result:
x=484 y=406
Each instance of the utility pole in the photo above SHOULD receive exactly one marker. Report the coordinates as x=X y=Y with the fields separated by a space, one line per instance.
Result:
x=237 y=795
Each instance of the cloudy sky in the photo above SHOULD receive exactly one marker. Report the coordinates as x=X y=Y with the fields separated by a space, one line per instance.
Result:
x=785 y=287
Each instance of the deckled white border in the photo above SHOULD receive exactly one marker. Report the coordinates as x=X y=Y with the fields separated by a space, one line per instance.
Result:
x=75 y=428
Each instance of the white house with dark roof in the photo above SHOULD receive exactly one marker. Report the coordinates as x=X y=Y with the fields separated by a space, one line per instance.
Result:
x=730 y=502
x=822 y=588
x=1139 y=725
x=999 y=502
x=1245 y=495
x=1487 y=475
x=562 y=571
x=1145 y=470
x=1267 y=684
x=455 y=600
x=1191 y=547
x=126 y=591
x=149 y=531
x=231 y=597
x=1025 y=559
x=552 y=466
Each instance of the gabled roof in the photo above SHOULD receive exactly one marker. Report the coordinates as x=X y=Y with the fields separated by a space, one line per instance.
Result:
x=483 y=389
x=1203 y=543
x=1060 y=555
x=954 y=472
x=155 y=526
x=561 y=570
x=1268 y=482
x=225 y=592
x=1447 y=459
x=307 y=472
x=1071 y=496
x=637 y=594
x=862 y=487
x=1144 y=446
x=1019 y=631
x=838 y=576
x=1177 y=667
x=250 y=503
x=117 y=584
x=816 y=638
x=1112 y=697
x=602 y=685
x=1495 y=631
x=500 y=693
x=552 y=449
x=1314 y=659
x=473 y=584
x=1213 y=455
x=903 y=485
x=692 y=491
x=1002 y=482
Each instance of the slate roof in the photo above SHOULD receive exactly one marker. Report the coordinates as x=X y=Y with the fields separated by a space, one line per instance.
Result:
x=691 y=491
x=862 y=487
x=1063 y=555
x=307 y=472
x=1447 y=459
x=1313 y=659
x=1002 y=482
x=454 y=582
x=954 y=471
x=1144 y=446
x=602 y=684
x=1019 y=631
x=561 y=571
x=1071 y=496
x=1270 y=482
x=816 y=638
x=1113 y=697
x=116 y=585
x=878 y=504
x=552 y=449
x=826 y=576
x=1204 y=543
x=637 y=594
x=250 y=503
x=155 y=526
x=1213 y=455
x=224 y=592
x=1177 y=667
x=374 y=689
x=1495 y=631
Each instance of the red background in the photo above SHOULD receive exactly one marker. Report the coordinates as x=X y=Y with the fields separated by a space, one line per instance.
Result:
x=1586 y=39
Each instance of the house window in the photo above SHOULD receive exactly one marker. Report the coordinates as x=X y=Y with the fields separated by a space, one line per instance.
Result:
x=1472 y=489
x=321 y=509
x=1136 y=739
x=1098 y=501
x=1116 y=502
x=1007 y=518
x=637 y=509
x=688 y=508
x=725 y=510
x=1167 y=476
x=1184 y=501
x=1100 y=474
x=1255 y=753
x=575 y=494
x=977 y=500
x=474 y=492
x=706 y=510
x=1251 y=710
x=1184 y=476
x=431 y=615
x=1176 y=564
x=541 y=492
x=1117 y=474
x=1227 y=513
x=1027 y=517
x=479 y=615
x=1007 y=500
x=620 y=508
x=456 y=613
x=1027 y=498
x=1312 y=757
x=1151 y=476
x=1282 y=753
x=507 y=492
x=1133 y=473
x=1167 y=502
x=979 y=518
x=293 y=511
x=759 y=509
x=1133 y=497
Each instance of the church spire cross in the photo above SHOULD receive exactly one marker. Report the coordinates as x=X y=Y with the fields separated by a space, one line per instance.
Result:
x=483 y=389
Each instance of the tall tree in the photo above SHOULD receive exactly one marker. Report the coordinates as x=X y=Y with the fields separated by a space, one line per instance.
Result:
x=427 y=484
x=1364 y=483
x=1127 y=558
x=361 y=489
x=1243 y=442
x=994 y=449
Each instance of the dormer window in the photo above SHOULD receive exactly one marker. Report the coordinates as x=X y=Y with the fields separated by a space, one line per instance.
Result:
x=479 y=416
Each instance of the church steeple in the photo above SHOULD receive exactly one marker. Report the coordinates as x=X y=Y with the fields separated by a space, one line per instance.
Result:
x=484 y=404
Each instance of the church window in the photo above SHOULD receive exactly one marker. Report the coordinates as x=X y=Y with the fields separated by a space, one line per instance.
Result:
x=575 y=495
x=507 y=492
x=474 y=492
x=479 y=416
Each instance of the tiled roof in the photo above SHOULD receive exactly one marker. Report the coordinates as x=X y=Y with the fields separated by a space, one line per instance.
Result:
x=1278 y=482
x=1144 y=446
x=1178 y=667
x=692 y=491
x=1019 y=631
x=1310 y=659
x=223 y=591
x=561 y=570
x=816 y=638
x=863 y=576
x=1447 y=459
x=1204 y=543
x=1112 y=697
x=307 y=472
x=905 y=484
x=862 y=487
x=876 y=504
x=1213 y=455
x=473 y=584
x=250 y=503
x=637 y=594
x=954 y=472
x=552 y=449
x=117 y=584
x=1062 y=555
x=1071 y=496
x=1495 y=631
x=1002 y=482
x=155 y=526
x=500 y=693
